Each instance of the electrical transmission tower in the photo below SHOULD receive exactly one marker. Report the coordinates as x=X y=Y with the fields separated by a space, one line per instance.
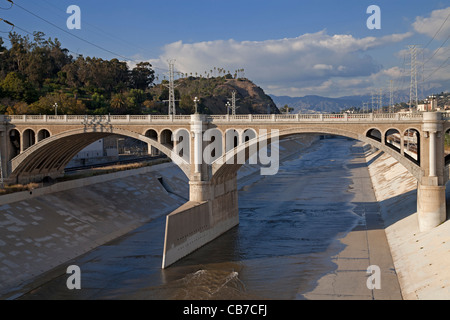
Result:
x=171 y=87
x=365 y=107
x=372 y=102
x=233 y=103
x=391 y=97
x=413 y=99
x=380 y=101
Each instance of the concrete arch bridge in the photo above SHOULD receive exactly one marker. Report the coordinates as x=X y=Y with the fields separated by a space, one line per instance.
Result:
x=211 y=149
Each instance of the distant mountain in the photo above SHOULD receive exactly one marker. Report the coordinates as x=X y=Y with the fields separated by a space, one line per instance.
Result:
x=311 y=103
x=319 y=104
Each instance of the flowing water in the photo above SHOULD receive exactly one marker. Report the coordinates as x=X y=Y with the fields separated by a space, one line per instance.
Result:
x=289 y=228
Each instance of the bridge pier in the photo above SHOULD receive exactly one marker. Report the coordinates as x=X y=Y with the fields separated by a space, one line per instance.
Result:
x=431 y=202
x=211 y=211
x=431 y=208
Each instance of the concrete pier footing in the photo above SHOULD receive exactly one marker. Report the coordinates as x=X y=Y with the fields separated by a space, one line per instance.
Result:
x=431 y=207
x=212 y=210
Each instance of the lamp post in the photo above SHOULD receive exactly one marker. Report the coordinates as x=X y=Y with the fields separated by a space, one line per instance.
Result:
x=433 y=102
x=196 y=100
x=56 y=108
x=228 y=105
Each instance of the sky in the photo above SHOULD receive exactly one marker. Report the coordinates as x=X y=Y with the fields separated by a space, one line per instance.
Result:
x=287 y=47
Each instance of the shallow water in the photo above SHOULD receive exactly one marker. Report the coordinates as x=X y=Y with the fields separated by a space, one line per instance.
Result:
x=289 y=229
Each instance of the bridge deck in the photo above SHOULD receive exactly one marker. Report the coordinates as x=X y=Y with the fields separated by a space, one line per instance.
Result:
x=126 y=119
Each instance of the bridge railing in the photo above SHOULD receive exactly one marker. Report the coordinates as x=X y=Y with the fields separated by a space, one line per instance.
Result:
x=364 y=117
x=137 y=119
x=93 y=118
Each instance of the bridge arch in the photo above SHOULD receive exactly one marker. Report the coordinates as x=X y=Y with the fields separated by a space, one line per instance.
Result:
x=165 y=137
x=412 y=144
x=51 y=155
x=151 y=133
x=232 y=139
x=392 y=139
x=248 y=134
x=375 y=134
x=28 y=138
x=14 y=142
x=221 y=170
x=43 y=134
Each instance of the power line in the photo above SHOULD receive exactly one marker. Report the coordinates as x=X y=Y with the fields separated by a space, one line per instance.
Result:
x=7 y=22
x=437 y=31
x=435 y=70
x=31 y=33
x=79 y=38
x=73 y=35
x=436 y=51
x=9 y=6
x=111 y=36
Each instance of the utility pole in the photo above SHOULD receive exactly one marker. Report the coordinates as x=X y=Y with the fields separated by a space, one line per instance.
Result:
x=365 y=107
x=413 y=99
x=380 y=101
x=391 y=97
x=171 y=87
x=233 y=103
x=372 y=101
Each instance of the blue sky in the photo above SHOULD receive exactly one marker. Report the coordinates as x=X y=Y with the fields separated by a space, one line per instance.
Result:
x=287 y=47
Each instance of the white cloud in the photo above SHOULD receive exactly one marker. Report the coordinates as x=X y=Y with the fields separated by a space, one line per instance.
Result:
x=430 y=25
x=307 y=61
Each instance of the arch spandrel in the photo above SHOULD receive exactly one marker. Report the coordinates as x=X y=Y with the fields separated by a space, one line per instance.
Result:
x=220 y=168
x=60 y=148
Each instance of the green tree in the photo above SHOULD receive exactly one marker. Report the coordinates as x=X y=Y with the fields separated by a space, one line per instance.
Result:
x=16 y=87
x=118 y=103
x=142 y=76
x=187 y=104
x=66 y=105
x=286 y=109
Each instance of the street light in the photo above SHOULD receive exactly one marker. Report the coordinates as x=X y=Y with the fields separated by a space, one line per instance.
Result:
x=432 y=97
x=196 y=100
x=56 y=108
x=228 y=105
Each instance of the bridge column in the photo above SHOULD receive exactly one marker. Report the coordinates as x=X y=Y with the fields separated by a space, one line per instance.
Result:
x=431 y=207
x=212 y=208
x=4 y=149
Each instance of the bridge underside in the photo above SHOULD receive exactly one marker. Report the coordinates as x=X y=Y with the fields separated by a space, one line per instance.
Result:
x=51 y=158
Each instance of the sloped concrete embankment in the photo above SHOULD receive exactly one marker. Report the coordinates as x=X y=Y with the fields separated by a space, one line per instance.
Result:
x=52 y=225
x=421 y=259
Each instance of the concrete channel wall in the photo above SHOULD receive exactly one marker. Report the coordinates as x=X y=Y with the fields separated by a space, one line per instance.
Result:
x=421 y=259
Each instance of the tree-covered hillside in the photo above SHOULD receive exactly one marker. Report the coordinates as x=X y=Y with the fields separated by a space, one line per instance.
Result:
x=38 y=74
